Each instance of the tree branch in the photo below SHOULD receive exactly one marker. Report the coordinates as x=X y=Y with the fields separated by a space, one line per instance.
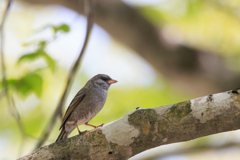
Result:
x=2 y=41
x=5 y=92
x=182 y=65
x=58 y=112
x=148 y=128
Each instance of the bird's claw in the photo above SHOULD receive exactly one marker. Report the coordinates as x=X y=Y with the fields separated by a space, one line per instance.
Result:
x=100 y=125
x=82 y=133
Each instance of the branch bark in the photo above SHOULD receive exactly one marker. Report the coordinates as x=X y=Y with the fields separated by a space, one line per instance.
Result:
x=147 y=128
x=182 y=65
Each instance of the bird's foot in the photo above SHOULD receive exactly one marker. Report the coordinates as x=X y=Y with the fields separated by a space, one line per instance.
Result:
x=94 y=126
x=100 y=125
x=82 y=133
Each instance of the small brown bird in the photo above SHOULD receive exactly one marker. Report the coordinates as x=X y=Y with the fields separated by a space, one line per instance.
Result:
x=86 y=105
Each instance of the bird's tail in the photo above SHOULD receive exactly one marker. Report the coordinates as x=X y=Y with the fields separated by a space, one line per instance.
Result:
x=63 y=135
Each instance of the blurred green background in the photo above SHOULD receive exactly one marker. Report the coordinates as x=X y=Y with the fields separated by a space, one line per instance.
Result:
x=42 y=42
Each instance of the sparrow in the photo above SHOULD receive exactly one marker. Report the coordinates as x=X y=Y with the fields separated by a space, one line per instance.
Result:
x=85 y=105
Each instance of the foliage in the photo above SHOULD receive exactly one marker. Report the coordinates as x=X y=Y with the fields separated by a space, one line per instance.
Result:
x=39 y=53
x=31 y=82
x=207 y=25
x=63 y=28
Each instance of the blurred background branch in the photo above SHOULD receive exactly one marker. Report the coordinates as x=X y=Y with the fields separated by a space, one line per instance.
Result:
x=5 y=91
x=2 y=43
x=181 y=64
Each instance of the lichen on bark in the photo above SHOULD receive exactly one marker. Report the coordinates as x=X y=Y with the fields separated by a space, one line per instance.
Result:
x=178 y=111
x=148 y=122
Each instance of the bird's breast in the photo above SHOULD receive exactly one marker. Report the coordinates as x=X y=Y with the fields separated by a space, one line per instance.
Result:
x=96 y=102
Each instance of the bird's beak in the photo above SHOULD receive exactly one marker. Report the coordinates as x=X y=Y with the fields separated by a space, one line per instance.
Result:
x=112 y=81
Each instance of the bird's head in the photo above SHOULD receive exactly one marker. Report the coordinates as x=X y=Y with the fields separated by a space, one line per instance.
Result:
x=103 y=81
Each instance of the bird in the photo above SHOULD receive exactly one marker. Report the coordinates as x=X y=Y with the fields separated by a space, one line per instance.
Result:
x=86 y=104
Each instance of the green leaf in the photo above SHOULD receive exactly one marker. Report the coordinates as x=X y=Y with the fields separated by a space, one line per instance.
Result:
x=64 y=28
x=39 y=54
x=25 y=85
x=55 y=30
x=35 y=82
x=49 y=60
x=20 y=86
x=42 y=45
x=29 y=57
x=35 y=55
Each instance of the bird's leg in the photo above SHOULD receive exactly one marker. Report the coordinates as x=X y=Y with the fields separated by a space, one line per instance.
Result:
x=90 y=125
x=93 y=125
x=80 y=133
x=101 y=125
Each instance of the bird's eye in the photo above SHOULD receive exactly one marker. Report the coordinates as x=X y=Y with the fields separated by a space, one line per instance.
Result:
x=104 y=78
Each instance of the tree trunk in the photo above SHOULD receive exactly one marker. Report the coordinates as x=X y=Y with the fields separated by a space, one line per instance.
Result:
x=148 y=128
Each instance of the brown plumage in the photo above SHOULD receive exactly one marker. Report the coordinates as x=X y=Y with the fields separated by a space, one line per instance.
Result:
x=86 y=104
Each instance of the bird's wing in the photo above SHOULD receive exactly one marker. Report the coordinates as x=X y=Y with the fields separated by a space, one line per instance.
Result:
x=76 y=100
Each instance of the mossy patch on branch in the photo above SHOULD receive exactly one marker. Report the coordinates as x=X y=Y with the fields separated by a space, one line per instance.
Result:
x=143 y=119
x=146 y=120
x=178 y=111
